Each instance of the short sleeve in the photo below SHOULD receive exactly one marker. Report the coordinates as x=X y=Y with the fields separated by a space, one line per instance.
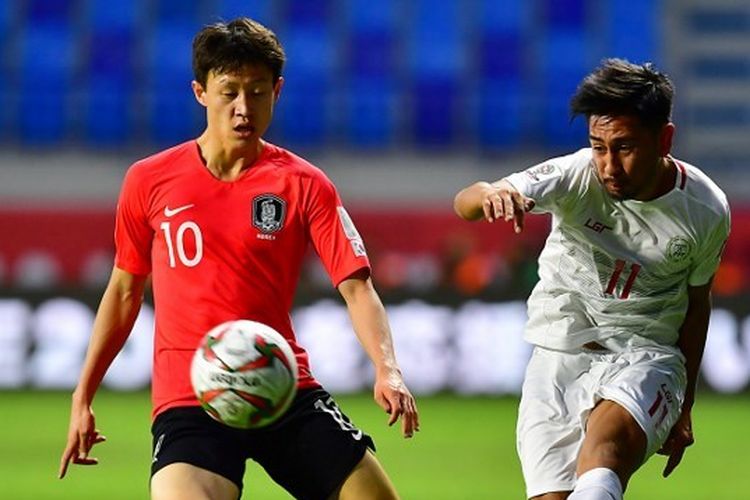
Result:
x=707 y=260
x=333 y=233
x=133 y=234
x=550 y=182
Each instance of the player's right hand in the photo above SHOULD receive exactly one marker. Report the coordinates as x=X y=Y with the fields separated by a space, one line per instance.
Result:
x=82 y=436
x=502 y=201
x=680 y=437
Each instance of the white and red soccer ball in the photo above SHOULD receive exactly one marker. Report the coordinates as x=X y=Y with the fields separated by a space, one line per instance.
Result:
x=244 y=374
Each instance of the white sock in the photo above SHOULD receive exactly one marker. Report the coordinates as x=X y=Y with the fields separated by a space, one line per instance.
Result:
x=597 y=484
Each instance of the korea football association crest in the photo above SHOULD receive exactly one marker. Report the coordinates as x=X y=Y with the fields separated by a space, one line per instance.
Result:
x=268 y=213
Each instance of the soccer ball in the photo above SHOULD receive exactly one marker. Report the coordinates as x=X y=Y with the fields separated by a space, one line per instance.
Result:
x=244 y=374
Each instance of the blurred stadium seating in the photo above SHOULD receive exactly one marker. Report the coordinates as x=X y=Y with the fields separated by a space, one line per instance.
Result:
x=436 y=74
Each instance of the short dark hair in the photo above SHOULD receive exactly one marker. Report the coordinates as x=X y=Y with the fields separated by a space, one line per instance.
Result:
x=619 y=87
x=226 y=47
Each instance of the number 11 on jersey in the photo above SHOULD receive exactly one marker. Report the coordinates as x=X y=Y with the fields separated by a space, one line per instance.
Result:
x=619 y=266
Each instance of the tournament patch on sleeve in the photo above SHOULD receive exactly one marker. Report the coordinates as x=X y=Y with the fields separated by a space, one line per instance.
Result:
x=539 y=173
x=350 y=230
x=347 y=223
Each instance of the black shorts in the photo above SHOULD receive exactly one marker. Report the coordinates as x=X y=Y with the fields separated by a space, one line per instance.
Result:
x=309 y=451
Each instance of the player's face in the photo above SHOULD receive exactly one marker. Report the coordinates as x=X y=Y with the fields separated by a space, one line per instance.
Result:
x=239 y=105
x=629 y=156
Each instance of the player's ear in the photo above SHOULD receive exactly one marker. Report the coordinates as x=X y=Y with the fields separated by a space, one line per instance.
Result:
x=199 y=92
x=665 y=138
x=277 y=88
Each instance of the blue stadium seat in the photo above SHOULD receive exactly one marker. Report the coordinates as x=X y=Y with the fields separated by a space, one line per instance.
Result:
x=637 y=30
x=302 y=115
x=564 y=51
x=46 y=63
x=178 y=11
x=434 y=112
x=7 y=21
x=719 y=20
x=366 y=16
x=8 y=105
x=108 y=112
x=298 y=13
x=721 y=67
x=501 y=107
x=47 y=54
x=310 y=50
x=720 y=115
x=500 y=55
x=438 y=46
x=47 y=125
x=53 y=12
x=566 y=14
x=174 y=116
x=511 y=16
x=170 y=53
x=111 y=54
x=260 y=10
x=115 y=15
x=371 y=110
x=556 y=123
x=371 y=54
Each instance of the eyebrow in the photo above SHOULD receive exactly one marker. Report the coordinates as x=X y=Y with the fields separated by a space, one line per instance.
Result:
x=225 y=80
x=617 y=139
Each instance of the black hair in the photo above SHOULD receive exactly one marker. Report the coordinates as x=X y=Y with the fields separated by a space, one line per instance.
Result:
x=227 y=47
x=619 y=87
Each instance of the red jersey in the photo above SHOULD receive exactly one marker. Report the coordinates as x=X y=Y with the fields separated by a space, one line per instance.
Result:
x=220 y=251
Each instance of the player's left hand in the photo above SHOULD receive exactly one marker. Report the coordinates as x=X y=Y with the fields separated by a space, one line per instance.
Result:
x=393 y=396
x=680 y=437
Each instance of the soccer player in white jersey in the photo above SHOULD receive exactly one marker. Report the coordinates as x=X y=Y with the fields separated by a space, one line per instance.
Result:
x=620 y=313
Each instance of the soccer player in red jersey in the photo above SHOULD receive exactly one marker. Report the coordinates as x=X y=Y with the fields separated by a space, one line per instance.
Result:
x=222 y=224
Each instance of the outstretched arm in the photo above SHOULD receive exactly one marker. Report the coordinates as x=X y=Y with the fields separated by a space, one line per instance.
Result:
x=692 y=342
x=114 y=319
x=499 y=200
x=371 y=326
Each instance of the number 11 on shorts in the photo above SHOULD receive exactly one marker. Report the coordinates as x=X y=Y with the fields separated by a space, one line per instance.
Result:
x=613 y=280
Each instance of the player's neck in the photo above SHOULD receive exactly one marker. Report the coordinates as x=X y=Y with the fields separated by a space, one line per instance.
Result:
x=224 y=162
x=664 y=182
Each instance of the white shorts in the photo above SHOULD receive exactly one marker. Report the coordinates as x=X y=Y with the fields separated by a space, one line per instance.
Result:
x=561 y=389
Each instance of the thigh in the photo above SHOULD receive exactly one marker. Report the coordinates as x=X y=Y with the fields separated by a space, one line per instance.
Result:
x=555 y=401
x=189 y=444
x=181 y=481
x=313 y=450
x=367 y=480
x=651 y=387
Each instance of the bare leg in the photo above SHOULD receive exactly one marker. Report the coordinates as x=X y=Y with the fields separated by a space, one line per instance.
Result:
x=367 y=481
x=181 y=481
x=614 y=440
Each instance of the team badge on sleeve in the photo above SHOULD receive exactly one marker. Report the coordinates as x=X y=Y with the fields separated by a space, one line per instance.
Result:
x=351 y=232
x=541 y=172
x=268 y=213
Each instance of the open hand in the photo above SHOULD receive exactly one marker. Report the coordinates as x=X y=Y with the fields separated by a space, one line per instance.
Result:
x=393 y=396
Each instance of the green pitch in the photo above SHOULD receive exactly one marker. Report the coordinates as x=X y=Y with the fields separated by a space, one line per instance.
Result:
x=465 y=451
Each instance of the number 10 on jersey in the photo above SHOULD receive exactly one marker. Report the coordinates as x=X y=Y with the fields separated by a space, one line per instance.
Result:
x=615 y=278
x=185 y=259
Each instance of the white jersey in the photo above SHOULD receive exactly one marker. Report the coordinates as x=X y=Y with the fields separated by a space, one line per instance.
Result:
x=617 y=271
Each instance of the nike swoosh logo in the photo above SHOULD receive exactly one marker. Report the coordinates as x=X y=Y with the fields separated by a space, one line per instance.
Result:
x=169 y=212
